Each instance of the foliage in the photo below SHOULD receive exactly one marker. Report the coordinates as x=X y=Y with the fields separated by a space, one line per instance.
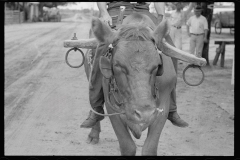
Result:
x=171 y=6
x=54 y=4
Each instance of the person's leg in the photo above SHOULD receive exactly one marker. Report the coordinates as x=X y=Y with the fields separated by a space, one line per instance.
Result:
x=178 y=38
x=199 y=45
x=192 y=44
x=173 y=115
x=172 y=34
x=96 y=96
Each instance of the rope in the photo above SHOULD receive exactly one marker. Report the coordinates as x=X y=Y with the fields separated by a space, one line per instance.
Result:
x=112 y=114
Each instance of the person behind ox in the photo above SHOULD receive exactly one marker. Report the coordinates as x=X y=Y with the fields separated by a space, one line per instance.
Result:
x=177 y=19
x=197 y=28
x=109 y=15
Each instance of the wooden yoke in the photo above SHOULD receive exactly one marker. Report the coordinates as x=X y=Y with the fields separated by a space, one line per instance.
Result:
x=166 y=48
x=82 y=43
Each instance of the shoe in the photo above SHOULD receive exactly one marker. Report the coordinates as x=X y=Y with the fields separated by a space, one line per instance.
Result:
x=92 y=119
x=176 y=120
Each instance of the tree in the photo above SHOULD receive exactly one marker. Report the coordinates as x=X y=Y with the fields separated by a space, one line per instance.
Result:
x=207 y=13
x=13 y=5
x=51 y=5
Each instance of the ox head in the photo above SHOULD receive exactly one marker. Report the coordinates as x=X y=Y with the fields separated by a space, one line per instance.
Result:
x=135 y=63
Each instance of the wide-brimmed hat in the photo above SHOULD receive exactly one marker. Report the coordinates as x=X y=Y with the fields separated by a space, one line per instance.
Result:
x=198 y=8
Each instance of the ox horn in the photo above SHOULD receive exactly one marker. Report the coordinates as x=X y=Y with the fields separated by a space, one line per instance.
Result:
x=81 y=43
x=174 y=52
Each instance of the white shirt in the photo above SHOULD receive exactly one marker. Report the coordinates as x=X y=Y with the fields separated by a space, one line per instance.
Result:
x=197 y=25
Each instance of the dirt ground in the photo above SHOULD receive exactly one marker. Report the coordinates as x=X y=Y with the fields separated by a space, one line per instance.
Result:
x=46 y=100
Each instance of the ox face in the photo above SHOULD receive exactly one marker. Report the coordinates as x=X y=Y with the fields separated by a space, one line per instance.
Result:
x=135 y=65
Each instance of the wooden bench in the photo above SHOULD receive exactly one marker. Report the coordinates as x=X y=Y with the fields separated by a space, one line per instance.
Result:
x=221 y=50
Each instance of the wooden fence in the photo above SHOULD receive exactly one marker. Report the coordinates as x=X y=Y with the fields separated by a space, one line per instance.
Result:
x=13 y=16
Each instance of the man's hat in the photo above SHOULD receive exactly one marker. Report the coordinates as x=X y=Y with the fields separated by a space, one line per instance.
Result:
x=198 y=8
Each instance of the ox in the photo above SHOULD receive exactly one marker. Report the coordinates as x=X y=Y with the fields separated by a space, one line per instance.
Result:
x=138 y=79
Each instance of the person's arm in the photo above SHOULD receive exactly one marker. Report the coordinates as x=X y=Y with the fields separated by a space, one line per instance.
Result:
x=187 y=12
x=188 y=25
x=160 y=9
x=190 y=7
x=102 y=6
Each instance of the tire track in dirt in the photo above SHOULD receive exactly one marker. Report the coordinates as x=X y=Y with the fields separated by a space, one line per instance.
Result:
x=51 y=48
x=33 y=68
x=22 y=65
x=26 y=43
x=23 y=41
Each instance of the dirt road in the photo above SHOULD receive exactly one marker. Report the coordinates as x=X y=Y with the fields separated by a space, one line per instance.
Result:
x=46 y=101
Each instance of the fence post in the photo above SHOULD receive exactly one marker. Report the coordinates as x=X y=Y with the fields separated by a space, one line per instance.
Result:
x=223 y=54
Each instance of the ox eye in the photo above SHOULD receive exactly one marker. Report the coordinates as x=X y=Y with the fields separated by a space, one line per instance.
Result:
x=124 y=70
x=120 y=69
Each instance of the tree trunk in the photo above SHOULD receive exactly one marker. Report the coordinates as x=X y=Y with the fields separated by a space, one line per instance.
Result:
x=40 y=9
x=207 y=13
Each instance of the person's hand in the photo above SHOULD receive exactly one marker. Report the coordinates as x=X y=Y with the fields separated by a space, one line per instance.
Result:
x=106 y=18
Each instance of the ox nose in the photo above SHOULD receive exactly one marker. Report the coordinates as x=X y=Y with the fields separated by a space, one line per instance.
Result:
x=144 y=116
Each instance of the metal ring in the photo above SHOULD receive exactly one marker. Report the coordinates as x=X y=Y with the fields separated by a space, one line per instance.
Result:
x=66 y=59
x=193 y=66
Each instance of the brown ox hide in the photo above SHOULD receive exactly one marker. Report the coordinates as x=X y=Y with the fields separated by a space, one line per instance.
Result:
x=142 y=65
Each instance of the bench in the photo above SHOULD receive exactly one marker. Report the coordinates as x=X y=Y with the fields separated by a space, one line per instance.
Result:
x=221 y=50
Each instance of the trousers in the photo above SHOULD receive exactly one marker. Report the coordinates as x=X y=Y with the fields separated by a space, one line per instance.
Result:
x=176 y=35
x=196 y=44
x=96 y=95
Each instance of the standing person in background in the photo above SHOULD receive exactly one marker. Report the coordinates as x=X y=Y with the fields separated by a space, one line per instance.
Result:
x=177 y=19
x=197 y=28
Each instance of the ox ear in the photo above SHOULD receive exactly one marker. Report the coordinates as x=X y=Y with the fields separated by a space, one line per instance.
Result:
x=161 y=31
x=160 y=67
x=102 y=32
x=105 y=66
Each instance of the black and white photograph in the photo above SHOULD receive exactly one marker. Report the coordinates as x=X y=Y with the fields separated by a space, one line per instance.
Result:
x=119 y=78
